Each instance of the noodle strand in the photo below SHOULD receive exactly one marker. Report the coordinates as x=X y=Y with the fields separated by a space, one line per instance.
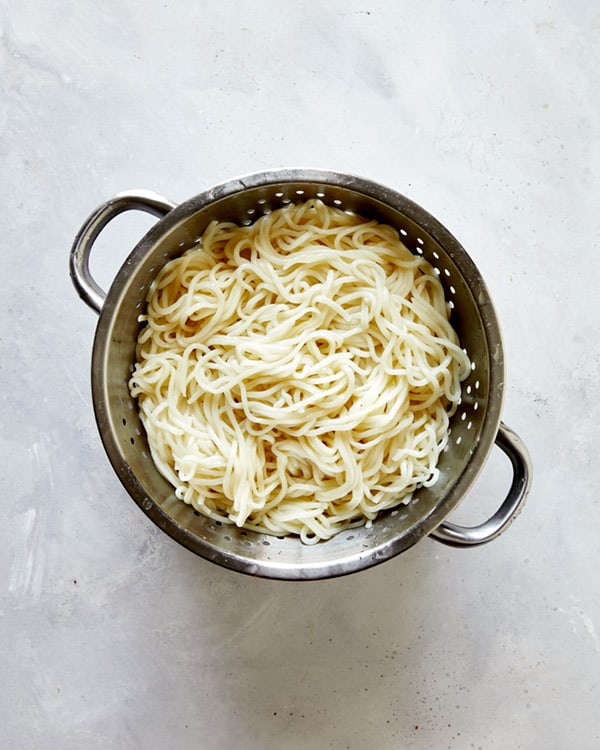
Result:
x=297 y=376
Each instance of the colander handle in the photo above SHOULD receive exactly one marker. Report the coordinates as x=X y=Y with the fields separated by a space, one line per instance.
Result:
x=79 y=259
x=469 y=536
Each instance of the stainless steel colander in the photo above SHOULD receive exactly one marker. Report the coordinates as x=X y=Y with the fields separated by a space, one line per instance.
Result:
x=474 y=428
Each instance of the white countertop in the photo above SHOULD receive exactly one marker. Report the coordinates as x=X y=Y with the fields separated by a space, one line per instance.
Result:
x=113 y=635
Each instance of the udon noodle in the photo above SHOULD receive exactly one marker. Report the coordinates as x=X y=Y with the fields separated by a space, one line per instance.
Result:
x=297 y=376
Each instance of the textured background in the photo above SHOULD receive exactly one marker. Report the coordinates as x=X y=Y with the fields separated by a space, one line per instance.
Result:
x=487 y=114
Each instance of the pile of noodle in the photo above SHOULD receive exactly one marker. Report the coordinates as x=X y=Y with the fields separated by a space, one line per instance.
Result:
x=297 y=375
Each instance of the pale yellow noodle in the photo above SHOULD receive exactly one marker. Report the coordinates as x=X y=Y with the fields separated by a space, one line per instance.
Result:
x=296 y=376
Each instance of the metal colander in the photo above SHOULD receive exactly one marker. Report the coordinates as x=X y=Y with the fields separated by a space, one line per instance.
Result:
x=474 y=428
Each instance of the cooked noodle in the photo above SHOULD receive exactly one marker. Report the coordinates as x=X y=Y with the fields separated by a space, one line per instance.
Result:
x=297 y=375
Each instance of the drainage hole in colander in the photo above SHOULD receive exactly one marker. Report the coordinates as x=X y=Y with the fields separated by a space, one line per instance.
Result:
x=227 y=538
x=132 y=440
x=124 y=422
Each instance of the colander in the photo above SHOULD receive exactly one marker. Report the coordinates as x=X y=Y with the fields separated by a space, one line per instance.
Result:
x=474 y=429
